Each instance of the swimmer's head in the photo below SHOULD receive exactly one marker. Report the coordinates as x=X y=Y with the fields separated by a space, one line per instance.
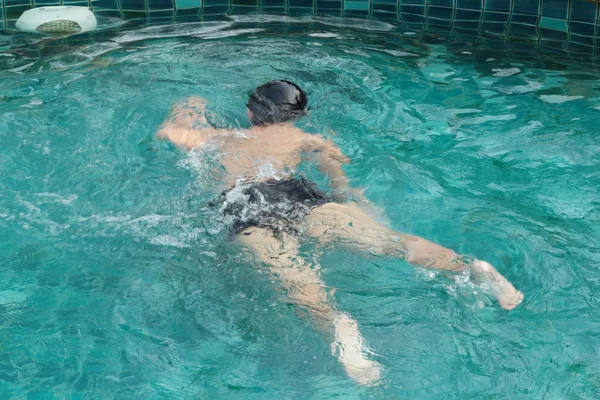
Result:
x=276 y=102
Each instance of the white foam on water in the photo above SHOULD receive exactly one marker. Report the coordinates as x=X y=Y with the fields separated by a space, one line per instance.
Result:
x=21 y=68
x=231 y=33
x=520 y=89
x=96 y=49
x=173 y=30
x=487 y=118
x=196 y=162
x=324 y=35
x=57 y=198
x=33 y=103
x=398 y=53
x=457 y=111
x=355 y=23
x=427 y=274
x=558 y=99
x=266 y=18
x=109 y=23
x=531 y=127
x=169 y=241
x=505 y=72
x=357 y=52
x=149 y=228
x=441 y=74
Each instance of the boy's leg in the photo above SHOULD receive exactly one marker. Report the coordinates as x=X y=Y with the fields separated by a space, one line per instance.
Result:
x=305 y=288
x=350 y=225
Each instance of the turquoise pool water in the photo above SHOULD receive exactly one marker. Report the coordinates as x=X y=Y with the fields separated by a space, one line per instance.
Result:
x=115 y=281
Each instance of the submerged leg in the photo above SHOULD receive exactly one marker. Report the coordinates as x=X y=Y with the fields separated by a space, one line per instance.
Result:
x=348 y=224
x=305 y=288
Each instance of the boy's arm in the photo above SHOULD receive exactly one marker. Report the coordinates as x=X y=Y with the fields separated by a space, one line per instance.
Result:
x=330 y=162
x=187 y=127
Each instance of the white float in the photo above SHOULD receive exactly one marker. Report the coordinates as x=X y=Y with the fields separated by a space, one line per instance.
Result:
x=57 y=20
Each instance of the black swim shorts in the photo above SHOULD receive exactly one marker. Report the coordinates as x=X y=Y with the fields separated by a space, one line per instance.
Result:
x=278 y=205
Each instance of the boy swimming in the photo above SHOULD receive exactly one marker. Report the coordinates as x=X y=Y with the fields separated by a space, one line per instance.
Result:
x=272 y=210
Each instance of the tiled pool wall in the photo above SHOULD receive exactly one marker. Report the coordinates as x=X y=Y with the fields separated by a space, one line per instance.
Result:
x=567 y=23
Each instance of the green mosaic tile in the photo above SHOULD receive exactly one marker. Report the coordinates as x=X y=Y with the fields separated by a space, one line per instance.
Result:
x=78 y=3
x=469 y=27
x=13 y=3
x=555 y=9
x=502 y=6
x=524 y=19
x=127 y=14
x=160 y=5
x=188 y=14
x=100 y=13
x=582 y=29
x=523 y=31
x=385 y=6
x=553 y=24
x=241 y=10
x=467 y=15
x=241 y=7
x=329 y=6
x=280 y=5
x=356 y=5
x=161 y=15
x=134 y=5
x=526 y=7
x=440 y=13
x=42 y=3
x=582 y=40
x=495 y=17
x=215 y=7
x=494 y=27
x=102 y=5
x=412 y=9
x=301 y=6
x=183 y=4
x=584 y=11
x=244 y=3
x=469 y=4
x=573 y=47
x=413 y=2
x=13 y=13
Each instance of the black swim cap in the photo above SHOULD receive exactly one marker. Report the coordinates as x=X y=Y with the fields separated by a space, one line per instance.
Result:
x=276 y=102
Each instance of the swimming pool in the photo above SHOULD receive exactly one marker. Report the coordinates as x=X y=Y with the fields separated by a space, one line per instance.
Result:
x=116 y=282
